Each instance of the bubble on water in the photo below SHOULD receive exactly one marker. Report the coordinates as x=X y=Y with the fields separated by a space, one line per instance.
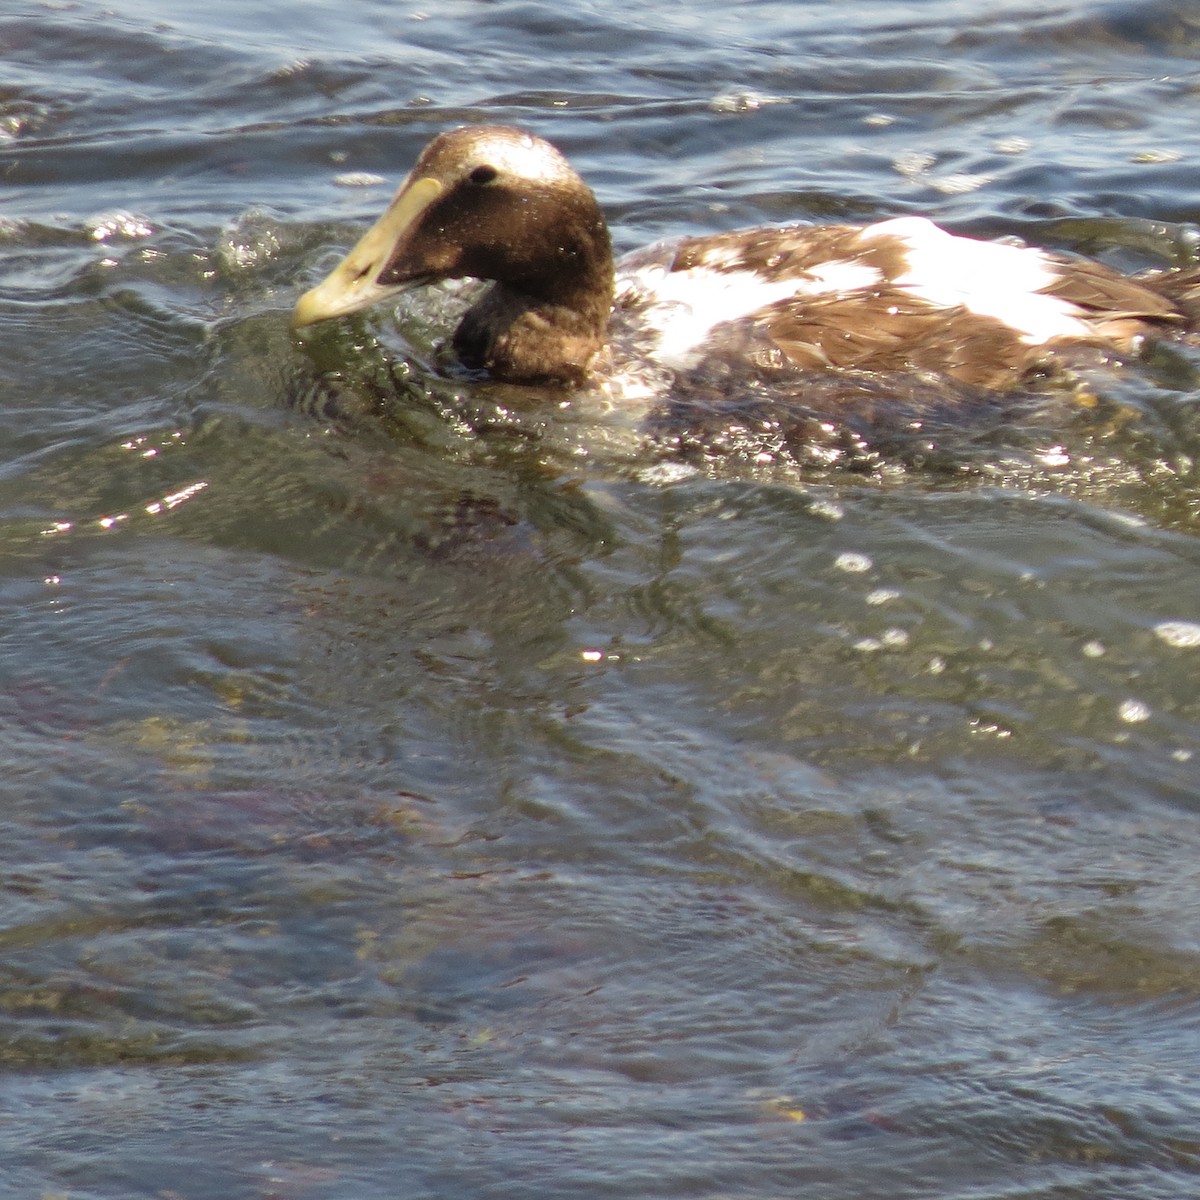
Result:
x=912 y=163
x=988 y=728
x=117 y=224
x=829 y=509
x=890 y=639
x=853 y=562
x=1054 y=456
x=357 y=179
x=1183 y=635
x=882 y=596
x=742 y=100
x=249 y=241
x=1156 y=156
x=959 y=183
x=1133 y=712
x=667 y=473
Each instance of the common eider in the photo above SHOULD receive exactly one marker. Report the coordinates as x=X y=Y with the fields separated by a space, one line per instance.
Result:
x=499 y=204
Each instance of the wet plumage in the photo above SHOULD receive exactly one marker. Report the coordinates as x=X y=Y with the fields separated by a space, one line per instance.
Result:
x=901 y=296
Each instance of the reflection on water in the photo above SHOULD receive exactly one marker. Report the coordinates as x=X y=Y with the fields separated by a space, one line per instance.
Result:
x=392 y=808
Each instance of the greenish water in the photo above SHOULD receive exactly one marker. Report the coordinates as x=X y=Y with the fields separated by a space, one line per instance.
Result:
x=393 y=810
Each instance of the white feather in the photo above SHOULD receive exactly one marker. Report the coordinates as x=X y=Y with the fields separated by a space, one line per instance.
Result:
x=685 y=306
x=990 y=279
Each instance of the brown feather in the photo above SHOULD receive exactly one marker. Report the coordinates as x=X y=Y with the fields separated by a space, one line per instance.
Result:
x=498 y=204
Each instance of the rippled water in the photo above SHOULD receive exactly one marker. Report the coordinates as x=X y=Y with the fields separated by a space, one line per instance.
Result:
x=395 y=810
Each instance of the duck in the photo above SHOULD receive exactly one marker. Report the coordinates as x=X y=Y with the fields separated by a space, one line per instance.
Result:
x=502 y=205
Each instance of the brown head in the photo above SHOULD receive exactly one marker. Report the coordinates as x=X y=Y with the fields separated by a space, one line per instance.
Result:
x=483 y=202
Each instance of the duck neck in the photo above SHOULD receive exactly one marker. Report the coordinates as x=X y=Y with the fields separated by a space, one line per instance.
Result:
x=548 y=327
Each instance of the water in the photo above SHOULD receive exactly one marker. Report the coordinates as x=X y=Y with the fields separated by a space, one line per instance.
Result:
x=393 y=811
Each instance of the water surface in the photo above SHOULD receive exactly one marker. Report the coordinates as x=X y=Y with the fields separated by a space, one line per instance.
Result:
x=394 y=810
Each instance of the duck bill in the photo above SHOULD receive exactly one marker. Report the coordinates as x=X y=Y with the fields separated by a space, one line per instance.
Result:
x=354 y=283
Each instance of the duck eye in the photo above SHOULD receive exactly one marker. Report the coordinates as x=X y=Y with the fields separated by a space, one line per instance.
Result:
x=482 y=175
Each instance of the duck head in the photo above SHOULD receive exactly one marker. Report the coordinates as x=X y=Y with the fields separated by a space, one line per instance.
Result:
x=492 y=203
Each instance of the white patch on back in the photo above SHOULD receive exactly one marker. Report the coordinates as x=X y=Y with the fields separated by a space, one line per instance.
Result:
x=987 y=278
x=683 y=307
x=991 y=279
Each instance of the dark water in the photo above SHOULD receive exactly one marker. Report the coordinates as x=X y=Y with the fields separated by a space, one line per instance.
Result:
x=394 y=811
